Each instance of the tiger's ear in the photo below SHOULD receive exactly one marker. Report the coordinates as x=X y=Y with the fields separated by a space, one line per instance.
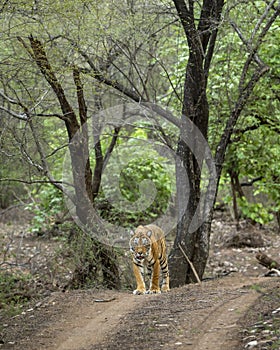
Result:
x=149 y=233
x=131 y=233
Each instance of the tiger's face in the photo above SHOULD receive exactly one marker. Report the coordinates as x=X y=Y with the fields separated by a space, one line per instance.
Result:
x=140 y=245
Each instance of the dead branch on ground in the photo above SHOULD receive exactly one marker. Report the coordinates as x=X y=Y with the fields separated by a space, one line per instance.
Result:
x=269 y=263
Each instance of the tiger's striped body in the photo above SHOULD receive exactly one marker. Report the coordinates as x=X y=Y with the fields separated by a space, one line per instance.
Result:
x=148 y=248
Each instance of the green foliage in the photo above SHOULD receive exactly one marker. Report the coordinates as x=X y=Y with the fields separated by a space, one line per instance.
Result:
x=139 y=170
x=254 y=151
x=138 y=182
x=46 y=206
x=149 y=53
x=254 y=211
x=257 y=156
x=142 y=178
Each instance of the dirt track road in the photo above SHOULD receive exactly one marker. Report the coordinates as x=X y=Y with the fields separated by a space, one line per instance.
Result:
x=192 y=317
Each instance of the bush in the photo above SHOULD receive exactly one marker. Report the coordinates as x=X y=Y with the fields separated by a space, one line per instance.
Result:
x=46 y=206
x=92 y=263
x=133 y=187
x=255 y=212
x=15 y=291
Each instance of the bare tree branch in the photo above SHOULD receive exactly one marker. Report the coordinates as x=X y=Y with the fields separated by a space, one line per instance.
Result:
x=7 y=98
x=249 y=44
x=132 y=61
x=261 y=20
x=245 y=90
x=45 y=167
x=30 y=182
x=20 y=116
x=111 y=146
x=23 y=116
x=13 y=114
x=242 y=100
x=37 y=52
x=251 y=182
x=57 y=150
x=56 y=115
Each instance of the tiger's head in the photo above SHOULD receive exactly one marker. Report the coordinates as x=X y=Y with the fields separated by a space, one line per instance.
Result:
x=140 y=243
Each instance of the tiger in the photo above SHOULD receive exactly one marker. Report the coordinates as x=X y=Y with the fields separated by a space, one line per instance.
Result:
x=148 y=248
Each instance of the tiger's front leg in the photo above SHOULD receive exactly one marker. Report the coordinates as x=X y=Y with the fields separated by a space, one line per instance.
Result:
x=138 y=273
x=154 y=284
x=165 y=274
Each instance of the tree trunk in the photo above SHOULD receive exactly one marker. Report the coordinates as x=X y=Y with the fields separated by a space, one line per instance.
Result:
x=80 y=162
x=194 y=241
x=201 y=42
x=277 y=214
x=236 y=190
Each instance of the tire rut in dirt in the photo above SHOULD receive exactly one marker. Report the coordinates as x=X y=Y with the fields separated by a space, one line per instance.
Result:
x=178 y=319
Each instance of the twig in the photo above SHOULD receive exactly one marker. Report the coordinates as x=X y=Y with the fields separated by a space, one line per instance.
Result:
x=30 y=182
x=251 y=182
x=190 y=263
x=104 y=300
x=2 y=212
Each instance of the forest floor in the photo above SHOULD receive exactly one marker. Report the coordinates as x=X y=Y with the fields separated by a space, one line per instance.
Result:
x=240 y=310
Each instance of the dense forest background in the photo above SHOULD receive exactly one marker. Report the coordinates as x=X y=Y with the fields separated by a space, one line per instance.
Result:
x=152 y=66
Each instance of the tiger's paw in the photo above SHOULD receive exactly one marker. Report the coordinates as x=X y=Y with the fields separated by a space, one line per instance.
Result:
x=139 y=291
x=153 y=291
x=165 y=289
